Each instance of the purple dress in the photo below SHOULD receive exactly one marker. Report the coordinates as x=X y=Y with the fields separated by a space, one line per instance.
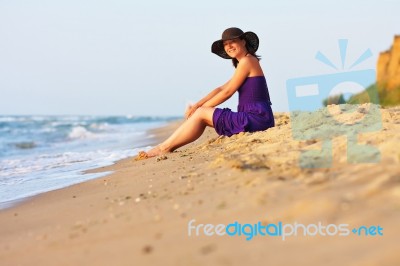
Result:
x=254 y=110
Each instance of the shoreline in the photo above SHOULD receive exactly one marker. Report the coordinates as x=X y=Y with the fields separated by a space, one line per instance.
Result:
x=140 y=213
x=157 y=134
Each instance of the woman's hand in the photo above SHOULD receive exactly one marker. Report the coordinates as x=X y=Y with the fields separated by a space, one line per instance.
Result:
x=190 y=110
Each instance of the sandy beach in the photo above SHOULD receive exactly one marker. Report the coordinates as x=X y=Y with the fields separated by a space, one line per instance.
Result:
x=139 y=214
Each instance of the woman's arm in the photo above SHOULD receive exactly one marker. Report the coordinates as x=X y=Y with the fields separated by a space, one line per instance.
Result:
x=191 y=109
x=211 y=94
x=241 y=73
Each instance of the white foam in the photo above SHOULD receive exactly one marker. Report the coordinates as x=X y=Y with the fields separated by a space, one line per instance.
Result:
x=80 y=133
x=100 y=126
x=59 y=159
x=22 y=176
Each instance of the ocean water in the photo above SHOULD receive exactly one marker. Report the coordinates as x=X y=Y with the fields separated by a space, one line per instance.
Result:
x=43 y=153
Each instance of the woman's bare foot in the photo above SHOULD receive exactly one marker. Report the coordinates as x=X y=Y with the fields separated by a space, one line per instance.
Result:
x=141 y=156
x=156 y=151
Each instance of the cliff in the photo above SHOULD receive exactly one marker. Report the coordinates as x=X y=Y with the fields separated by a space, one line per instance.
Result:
x=386 y=90
x=388 y=67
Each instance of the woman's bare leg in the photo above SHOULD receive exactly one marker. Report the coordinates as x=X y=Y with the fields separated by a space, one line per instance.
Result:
x=188 y=132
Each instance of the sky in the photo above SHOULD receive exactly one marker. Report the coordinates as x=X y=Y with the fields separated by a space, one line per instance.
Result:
x=125 y=57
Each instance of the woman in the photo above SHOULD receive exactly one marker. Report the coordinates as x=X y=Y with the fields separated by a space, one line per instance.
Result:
x=254 y=109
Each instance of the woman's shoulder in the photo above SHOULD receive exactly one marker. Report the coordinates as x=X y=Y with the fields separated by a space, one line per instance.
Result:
x=251 y=63
x=250 y=59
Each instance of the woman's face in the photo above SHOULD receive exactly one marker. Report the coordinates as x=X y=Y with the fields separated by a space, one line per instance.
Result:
x=235 y=47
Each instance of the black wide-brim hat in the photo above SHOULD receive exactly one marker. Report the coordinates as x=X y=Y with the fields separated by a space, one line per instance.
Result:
x=251 y=38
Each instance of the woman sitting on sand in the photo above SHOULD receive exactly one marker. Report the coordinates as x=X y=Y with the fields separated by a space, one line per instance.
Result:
x=254 y=109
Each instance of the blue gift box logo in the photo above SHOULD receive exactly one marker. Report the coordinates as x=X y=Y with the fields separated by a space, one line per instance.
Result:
x=311 y=121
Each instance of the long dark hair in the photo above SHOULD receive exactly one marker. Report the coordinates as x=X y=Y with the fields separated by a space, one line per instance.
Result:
x=235 y=61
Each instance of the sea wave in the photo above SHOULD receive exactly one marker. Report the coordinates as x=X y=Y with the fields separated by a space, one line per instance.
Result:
x=80 y=133
x=31 y=175
x=39 y=153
